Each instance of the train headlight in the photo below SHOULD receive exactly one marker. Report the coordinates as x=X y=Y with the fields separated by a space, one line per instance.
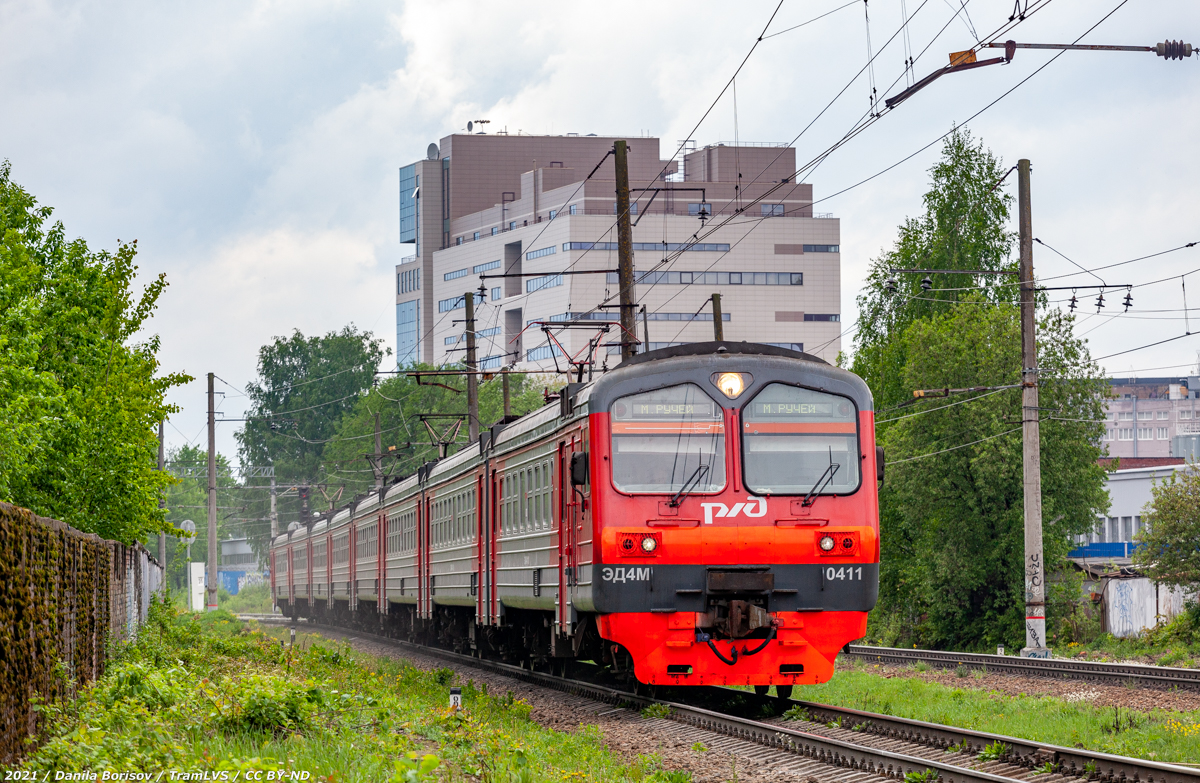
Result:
x=649 y=544
x=732 y=384
x=826 y=543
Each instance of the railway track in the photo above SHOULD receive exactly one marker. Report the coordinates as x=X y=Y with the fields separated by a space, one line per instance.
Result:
x=850 y=744
x=1093 y=671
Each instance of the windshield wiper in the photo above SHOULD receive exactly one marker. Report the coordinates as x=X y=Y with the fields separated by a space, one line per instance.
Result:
x=822 y=481
x=687 y=486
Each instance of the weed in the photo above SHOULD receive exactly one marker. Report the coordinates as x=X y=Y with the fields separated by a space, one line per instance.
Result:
x=960 y=747
x=410 y=769
x=993 y=752
x=921 y=666
x=699 y=747
x=1045 y=769
x=443 y=676
x=927 y=776
x=858 y=727
x=767 y=710
x=961 y=671
x=668 y=776
x=656 y=711
x=836 y=723
x=797 y=713
x=1089 y=769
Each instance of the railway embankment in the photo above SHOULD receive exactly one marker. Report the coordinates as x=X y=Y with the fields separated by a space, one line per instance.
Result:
x=209 y=694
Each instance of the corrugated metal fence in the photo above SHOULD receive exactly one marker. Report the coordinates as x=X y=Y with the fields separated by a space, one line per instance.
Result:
x=64 y=596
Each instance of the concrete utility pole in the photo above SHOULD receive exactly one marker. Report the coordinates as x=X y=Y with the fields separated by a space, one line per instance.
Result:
x=718 y=323
x=507 y=398
x=645 y=330
x=472 y=378
x=162 y=501
x=213 y=552
x=274 y=512
x=1035 y=566
x=377 y=462
x=625 y=252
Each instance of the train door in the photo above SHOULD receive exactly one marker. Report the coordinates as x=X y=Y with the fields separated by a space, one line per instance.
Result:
x=329 y=571
x=569 y=517
x=381 y=539
x=493 y=533
x=478 y=580
x=352 y=566
x=291 y=577
x=310 y=581
x=425 y=594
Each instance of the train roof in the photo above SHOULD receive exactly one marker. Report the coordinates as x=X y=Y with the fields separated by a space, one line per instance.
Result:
x=724 y=347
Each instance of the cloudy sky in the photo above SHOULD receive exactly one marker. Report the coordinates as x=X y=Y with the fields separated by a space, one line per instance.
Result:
x=252 y=147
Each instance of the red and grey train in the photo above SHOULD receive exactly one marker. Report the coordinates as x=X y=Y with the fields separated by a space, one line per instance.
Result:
x=702 y=514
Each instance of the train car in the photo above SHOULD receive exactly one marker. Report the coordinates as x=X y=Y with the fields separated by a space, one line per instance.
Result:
x=702 y=514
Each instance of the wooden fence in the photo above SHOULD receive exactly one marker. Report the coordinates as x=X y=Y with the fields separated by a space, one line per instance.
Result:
x=65 y=596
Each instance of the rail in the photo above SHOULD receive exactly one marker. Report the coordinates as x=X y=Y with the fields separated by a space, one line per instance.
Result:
x=1021 y=754
x=1094 y=671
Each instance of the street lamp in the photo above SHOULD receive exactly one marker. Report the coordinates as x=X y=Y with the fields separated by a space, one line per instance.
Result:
x=188 y=527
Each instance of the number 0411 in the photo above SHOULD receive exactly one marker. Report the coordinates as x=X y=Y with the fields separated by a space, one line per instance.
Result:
x=843 y=573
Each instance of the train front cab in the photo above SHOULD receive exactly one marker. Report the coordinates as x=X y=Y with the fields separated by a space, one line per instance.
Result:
x=738 y=514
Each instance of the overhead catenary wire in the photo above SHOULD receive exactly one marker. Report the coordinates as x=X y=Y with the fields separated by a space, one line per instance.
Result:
x=954 y=448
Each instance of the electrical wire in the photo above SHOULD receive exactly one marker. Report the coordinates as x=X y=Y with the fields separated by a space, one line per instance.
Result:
x=942 y=407
x=953 y=448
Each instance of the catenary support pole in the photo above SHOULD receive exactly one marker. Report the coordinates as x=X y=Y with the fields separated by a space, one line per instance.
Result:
x=377 y=461
x=645 y=330
x=718 y=322
x=507 y=398
x=472 y=378
x=274 y=511
x=1035 y=566
x=211 y=587
x=162 y=501
x=625 y=252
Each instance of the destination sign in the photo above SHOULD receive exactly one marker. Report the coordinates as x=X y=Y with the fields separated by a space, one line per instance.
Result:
x=842 y=411
x=665 y=410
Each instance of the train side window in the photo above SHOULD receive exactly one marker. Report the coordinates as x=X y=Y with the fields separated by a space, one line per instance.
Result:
x=666 y=439
x=796 y=441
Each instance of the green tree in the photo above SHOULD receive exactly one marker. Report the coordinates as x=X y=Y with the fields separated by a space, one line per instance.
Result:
x=80 y=397
x=951 y=512
x=964 y=227
x=406 y=442
x=305 y=386
x=953 y=538
x=1170 y=551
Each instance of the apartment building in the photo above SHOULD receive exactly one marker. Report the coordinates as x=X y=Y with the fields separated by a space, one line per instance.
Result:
x=1153 y=417
x=542 y=210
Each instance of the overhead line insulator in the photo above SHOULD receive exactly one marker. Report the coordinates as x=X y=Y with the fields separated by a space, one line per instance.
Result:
x=1173 y=50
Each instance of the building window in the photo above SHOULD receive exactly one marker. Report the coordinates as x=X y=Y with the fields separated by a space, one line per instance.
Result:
x=1108 y=434
x=539 y=283
x=796 y=278
x=1162 y=433
x=1185 y=414
x=553 y=214
x=455 y=303
x=1162 y=415
x=512 y=224
x=822 y=317
x=458 y=240
x=1126 y=416
x=573 y=206
x=481 y=268
x=408 y=281
x=822 y=249
x=771 y=210
x=496 y=295
x=696 y=209
x=1124 y=433
x=495 y=230
x=491 y=362
x=735 y=278
x=408 y=332
x=457 y=273
x=545 y=251
x=409 y=182
x=714 y=278
x=1145 y=415
x=1145 y=433
x=542 y=352
x=653 y=247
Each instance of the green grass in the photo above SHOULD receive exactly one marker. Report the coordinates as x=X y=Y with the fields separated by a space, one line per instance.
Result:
x=208 y=692
x=1159 y=735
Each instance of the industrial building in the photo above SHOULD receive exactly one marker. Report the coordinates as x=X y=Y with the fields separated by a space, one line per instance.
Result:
x=542 y=209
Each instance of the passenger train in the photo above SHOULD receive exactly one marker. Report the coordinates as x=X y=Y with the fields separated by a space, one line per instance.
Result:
x=701 y=514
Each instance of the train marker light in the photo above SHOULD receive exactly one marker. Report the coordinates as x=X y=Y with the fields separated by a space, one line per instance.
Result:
x=827 y=543
x=732 y=384
x=649 y=544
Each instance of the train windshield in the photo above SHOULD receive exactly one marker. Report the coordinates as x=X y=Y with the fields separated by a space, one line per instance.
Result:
x=668 y=440
x=798 y=441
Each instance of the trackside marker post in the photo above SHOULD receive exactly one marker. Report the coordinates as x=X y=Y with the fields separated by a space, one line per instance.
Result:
x=456 y=699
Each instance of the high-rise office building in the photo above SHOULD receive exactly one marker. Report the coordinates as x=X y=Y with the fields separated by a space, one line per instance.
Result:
x=729 y=220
